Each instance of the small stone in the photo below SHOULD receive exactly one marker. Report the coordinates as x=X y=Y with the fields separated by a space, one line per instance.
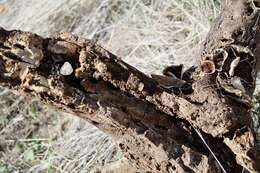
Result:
x=66 y=69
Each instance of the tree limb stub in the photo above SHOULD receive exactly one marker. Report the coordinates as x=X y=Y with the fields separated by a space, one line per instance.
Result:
x=233 y=46
x=153 y=126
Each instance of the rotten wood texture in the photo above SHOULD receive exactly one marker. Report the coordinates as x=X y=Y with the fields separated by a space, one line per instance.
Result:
x=152 y=124
x=150 y=139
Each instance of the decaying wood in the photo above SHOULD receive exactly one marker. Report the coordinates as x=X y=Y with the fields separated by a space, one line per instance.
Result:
x=134 y=122
x=153 y=126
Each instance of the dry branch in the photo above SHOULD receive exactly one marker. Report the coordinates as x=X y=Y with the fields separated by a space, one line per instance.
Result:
x=153 y=126
x=34 y=66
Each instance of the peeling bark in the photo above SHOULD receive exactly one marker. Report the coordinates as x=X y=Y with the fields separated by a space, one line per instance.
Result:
x=152 y=124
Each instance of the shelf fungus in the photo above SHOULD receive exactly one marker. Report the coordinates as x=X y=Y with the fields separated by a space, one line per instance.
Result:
x=22 y=47
x=234 y=66
x=208 y=67
x=36 y=83
x=168 y=82
x=31 y=57
x=176 y=79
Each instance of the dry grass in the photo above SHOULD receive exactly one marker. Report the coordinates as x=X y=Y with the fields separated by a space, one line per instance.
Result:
x=148 y=34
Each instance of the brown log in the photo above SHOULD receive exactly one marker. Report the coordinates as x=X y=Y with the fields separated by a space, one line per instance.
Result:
x=153 y=126
x=151 y=140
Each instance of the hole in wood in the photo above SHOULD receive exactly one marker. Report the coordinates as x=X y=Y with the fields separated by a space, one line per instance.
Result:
x=4 y=47
x=19 y=46
x=224 y=40
x=249 y=11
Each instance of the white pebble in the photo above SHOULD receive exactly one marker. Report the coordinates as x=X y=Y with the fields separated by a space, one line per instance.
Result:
x=66 y=69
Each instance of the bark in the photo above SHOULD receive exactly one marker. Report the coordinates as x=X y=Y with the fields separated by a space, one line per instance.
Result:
x=154 y=126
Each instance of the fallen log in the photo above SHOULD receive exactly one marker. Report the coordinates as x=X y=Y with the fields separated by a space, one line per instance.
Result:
x=205 y=130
